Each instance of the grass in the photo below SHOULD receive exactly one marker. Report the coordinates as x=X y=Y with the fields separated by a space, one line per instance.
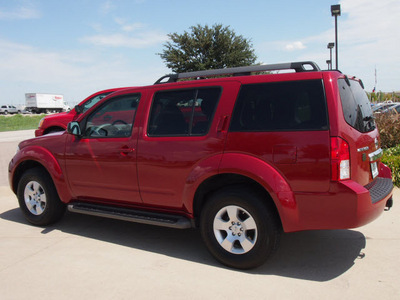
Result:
x=19 y=122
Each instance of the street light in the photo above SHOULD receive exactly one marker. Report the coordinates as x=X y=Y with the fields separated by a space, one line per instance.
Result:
x=335 y=10
x=329 y=62
x=330 y=46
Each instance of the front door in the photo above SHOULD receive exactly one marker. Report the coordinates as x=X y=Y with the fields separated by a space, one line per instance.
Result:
x=101 y=165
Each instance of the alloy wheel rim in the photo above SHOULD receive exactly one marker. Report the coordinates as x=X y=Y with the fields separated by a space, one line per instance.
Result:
x=35 y=198
x=235 y=229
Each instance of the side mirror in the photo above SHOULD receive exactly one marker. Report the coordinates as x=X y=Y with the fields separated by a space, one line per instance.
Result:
x=74 y=128
x=78 y=109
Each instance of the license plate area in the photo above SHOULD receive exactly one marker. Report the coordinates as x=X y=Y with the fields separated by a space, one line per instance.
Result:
x=374 y=169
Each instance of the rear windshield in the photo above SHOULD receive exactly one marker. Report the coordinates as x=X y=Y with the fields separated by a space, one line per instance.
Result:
x=356 y=106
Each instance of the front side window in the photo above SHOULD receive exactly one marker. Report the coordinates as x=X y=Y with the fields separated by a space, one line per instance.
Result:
x=92 y=101
x=356 y=106
x=114 y=118
x=280 y=106
x=183 y=112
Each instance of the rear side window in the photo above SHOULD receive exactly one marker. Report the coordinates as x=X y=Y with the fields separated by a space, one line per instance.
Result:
x=281 y=106
x=183 y=112
x=356 y=106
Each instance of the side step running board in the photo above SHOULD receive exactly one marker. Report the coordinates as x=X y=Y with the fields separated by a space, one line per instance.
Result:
x=144 y=217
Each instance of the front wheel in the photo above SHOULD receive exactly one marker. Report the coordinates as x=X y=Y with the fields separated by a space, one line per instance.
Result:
x=238 y=227
x=38 y=198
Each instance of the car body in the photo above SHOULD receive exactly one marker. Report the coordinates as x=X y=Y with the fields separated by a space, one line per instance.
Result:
x=8 y=109
x=58 y=122
x=394 y=109
x=241 y=157
x=383 y=107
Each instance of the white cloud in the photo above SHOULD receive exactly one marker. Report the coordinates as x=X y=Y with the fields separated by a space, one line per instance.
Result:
x=20 y=13
x=76 y=74
x=295 y=46
x=141 y=40
x=128 y=35
x=129 y=27
x=369 y=36
x=107 y=7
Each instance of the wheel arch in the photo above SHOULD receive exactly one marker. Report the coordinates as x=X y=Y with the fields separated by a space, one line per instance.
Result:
x=54 y=128
x=252 y=172
x=38 y=157
x=227 y=180
x=21 y=169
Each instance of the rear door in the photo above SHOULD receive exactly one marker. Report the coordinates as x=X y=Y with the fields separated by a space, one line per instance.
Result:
x=360 y=131
x=182 y=139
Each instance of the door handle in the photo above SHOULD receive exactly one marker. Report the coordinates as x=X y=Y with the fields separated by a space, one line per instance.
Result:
x=222 y=124
x=125 y=150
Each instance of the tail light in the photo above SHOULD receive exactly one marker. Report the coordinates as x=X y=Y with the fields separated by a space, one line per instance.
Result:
x=340 y=159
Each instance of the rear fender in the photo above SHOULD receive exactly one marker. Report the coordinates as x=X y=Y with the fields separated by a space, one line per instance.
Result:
x=268 y=177
x=203 y=170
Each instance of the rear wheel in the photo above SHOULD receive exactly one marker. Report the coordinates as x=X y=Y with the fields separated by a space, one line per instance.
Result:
x=38 y=198
x=238 y=228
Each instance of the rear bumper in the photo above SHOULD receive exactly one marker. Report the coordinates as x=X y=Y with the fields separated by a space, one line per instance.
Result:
x=347 y=205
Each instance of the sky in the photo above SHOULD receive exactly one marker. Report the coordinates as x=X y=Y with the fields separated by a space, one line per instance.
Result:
x=76 y=48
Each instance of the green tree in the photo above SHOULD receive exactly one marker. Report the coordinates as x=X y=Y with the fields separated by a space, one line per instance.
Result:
x=204 y=48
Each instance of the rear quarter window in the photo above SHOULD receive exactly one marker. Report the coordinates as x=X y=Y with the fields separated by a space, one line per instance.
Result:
x=281 y=106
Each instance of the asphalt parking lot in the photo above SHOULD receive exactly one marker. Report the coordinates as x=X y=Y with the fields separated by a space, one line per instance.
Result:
x=86 y=257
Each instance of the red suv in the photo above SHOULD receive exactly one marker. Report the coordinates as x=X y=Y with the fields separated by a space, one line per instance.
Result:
x=59 y=122
x=241 y=157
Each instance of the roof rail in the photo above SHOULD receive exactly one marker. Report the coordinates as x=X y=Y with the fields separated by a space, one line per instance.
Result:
x=303 y=66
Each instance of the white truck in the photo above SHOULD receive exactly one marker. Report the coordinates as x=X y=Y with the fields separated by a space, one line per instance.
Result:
x=45 y=103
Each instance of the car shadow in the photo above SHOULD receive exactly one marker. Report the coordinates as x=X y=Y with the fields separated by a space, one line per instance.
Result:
x=309 y=255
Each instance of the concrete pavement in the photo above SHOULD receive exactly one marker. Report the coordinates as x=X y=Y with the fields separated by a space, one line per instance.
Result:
x=85 y=257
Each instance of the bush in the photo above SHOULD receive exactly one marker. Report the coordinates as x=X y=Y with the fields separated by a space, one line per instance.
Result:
x=389 y=129
x=391 y=158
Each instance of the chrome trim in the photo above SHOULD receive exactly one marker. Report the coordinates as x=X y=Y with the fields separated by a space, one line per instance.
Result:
x=363 y=149
x=375 y=155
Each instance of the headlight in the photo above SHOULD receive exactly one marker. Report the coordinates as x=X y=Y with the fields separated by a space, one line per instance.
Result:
x=41 y=122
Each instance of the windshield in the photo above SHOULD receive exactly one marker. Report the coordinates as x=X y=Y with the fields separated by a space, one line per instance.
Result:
x=356 y=106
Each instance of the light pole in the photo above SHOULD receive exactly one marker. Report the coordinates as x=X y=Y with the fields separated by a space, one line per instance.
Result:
x=329 y=62
x=330 y=46
x=335 y=10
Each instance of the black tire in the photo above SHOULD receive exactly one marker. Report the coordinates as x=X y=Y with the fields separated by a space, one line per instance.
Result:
x=38 y=198
x=250 y=235
x=55 y=129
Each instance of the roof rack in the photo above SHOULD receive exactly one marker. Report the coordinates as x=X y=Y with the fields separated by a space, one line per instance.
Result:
x=303 y=66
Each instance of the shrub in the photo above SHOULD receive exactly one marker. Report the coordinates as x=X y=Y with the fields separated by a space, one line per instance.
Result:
x=391 y=158
x=389 y=129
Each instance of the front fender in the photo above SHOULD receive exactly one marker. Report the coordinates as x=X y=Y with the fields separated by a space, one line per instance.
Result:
x=34 y=155
x=268 y=177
